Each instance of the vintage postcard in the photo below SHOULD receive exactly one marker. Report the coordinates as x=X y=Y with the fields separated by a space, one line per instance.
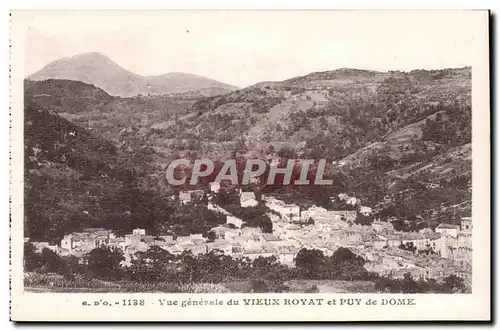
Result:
x=250 y=165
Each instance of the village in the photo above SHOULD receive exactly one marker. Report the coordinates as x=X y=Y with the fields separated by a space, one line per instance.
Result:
x=427 y=254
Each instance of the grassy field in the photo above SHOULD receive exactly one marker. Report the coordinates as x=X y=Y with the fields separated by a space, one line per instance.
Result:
x=330 y=286
x=39 y=283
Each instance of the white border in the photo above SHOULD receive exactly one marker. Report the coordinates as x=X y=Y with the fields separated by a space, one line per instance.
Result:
x=253 y=4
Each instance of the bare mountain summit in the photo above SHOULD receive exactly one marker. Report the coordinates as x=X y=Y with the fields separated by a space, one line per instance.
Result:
x=99 y=70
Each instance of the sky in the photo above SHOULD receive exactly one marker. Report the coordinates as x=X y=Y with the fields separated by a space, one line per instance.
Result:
x=246 y=47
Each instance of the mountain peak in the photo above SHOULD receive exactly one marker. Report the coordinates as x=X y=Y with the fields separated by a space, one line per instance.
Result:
x=98 y=69
x=89 y=55
x=177 y=74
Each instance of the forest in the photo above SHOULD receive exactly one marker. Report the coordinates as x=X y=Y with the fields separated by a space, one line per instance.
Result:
x=92 y=159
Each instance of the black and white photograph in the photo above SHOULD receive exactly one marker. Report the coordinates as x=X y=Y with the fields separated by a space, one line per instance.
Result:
x=251 y=152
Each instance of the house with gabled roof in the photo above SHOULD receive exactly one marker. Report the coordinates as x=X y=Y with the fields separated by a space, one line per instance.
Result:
x=445 y=230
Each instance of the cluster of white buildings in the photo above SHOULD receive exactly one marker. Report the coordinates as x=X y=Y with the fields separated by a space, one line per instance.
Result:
x=445 y=251
x=457 y=240
x=439 y=253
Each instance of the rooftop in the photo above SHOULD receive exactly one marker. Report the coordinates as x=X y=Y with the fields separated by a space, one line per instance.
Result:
x=247 y=195
x=270 y=237
x=447 y=226
x=96 y=230
x=253 y=251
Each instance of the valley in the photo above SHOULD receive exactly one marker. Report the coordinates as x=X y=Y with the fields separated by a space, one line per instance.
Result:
x=398 y=143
